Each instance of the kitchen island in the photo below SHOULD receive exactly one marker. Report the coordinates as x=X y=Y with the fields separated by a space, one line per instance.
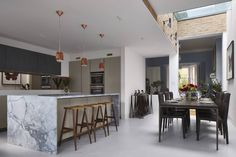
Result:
x=34 y=121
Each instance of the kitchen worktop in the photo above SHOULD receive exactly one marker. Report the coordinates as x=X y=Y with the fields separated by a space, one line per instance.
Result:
x=78 y=95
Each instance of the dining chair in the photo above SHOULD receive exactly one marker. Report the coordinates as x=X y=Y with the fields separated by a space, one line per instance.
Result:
x=222 y=100
x=165 y=113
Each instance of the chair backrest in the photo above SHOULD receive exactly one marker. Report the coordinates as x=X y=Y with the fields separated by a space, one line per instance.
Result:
x=161 y=98
x=167 y=96
x=219 y=98
x=162 y=111
x=171 y=95
x=226 y=101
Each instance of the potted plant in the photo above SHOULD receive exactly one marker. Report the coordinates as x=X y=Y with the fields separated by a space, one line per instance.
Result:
x=157 y=86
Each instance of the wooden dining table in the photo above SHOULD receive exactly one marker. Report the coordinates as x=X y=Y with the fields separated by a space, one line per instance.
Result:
x=187 y=104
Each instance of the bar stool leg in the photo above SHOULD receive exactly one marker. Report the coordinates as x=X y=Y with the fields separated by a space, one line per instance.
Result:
x=74 y=129
x=87 y=125
x=106 y=119
x=114 y=116
x=63 y=125
x=93 y=127
x=82 y=126
x=99 y=111
x=103 y=122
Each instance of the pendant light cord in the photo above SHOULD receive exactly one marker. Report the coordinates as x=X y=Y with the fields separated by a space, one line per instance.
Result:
x=59 y=41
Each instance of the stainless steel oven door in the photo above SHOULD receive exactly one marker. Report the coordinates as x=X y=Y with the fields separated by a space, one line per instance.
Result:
x=97 y=89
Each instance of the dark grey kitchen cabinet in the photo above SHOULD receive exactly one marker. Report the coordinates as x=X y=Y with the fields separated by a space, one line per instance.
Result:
x=24 y=61
x=2 y=57
x=48 y=65
x=19 y=60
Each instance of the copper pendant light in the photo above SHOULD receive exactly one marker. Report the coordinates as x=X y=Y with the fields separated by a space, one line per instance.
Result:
x=101 y=64
x=84 y=60
x=59 y=53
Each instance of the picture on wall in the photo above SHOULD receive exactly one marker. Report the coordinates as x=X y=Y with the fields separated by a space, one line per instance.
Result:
x=230 y=61
x=11 y=78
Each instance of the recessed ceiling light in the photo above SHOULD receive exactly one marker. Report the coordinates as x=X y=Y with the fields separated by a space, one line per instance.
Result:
x=42 y=35
x=119 y=18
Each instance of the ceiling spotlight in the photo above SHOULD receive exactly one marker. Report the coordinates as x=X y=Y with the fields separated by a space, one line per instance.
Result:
x=119 y=18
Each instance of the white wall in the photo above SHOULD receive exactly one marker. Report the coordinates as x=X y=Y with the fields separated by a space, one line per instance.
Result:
x=174 y=73
x=231 y=33
x=23 y=45
x=219 y=60
x=224 y=62
x=132 y=77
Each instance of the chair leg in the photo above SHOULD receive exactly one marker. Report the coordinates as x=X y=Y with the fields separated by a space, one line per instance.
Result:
x=226 y=133
x=63 y=125
x=164 y=121
x=160 y=124
x=183 y=126
x=220 y=128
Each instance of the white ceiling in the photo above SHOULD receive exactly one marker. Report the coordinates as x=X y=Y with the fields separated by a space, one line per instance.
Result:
x=170 y=6
x=35 y=22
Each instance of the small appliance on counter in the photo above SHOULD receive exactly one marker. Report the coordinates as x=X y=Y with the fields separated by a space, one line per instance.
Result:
x=97 y=83
x=45 y=82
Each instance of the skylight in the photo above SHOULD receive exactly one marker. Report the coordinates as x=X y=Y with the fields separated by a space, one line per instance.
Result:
x=203 y=11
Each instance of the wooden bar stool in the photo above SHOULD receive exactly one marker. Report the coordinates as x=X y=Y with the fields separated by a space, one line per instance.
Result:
x=84 y=122
x=112 y=116
x=95 y=120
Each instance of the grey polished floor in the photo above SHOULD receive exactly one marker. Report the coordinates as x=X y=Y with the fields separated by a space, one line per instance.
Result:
x=138 y=138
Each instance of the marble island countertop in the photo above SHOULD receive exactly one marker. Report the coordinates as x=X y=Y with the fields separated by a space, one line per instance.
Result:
x=34 y=121
x=78 y=95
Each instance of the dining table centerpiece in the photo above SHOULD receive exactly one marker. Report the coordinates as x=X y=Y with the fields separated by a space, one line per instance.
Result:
x=190 y=91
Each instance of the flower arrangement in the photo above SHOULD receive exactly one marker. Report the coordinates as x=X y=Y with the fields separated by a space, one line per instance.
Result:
x=188 y=87
x=190 y=91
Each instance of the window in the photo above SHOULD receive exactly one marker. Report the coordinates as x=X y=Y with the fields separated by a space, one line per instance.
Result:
x=188 y=74
x=202 y=11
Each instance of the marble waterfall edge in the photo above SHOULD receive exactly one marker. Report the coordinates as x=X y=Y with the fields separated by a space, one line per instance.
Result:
x=32 y=122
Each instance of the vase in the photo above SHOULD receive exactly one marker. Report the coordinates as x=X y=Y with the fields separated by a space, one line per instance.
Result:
x=191 y=95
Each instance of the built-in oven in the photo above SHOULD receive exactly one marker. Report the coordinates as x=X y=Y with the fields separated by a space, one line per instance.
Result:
x=97 y=83
x=97 y=78
x=97 y=89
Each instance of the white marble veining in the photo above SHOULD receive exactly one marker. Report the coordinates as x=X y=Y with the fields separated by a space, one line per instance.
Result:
x=32 y=122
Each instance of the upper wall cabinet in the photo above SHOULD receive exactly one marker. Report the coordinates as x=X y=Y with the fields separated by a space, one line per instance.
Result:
x=2 y=57
x=94 y=65
x=23 y=61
